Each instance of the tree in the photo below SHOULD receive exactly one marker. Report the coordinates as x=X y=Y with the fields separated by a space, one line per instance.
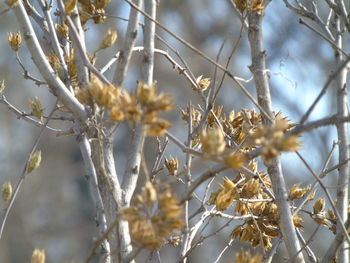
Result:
x=233 y=149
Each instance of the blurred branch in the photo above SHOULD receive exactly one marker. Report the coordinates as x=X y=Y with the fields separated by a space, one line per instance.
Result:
x=101 y=221
x=24 y=171
x=24 y=116
x=330 y=79
x=129 y=42
x=202 y=178
x=328 y=195
x=26 y=74
x=338 y=240
x=330 y=41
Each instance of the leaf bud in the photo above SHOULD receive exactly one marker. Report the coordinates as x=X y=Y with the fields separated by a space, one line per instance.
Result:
x=34 y=161
x=6 y=191
x=109 y=39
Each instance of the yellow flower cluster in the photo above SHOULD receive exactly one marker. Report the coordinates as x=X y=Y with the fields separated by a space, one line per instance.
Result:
x=151 y=229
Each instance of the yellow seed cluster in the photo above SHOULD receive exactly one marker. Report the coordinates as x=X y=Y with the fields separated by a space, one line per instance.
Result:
x=272 y=139
x=172 y=164
x=151 y=227
x=213 y=141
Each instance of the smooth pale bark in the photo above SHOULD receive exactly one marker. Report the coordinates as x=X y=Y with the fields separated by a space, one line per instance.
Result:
x=258 y=68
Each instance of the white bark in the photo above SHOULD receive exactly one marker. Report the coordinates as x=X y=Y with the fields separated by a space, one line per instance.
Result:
x=342 y=130
x=258 y=68
x=129 y=43
x=39 y=59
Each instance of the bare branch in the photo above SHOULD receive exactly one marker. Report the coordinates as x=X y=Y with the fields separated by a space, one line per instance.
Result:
x=101 y=220
x=258 y=68
x=24 y=116
x=39 y=58
x=24 y=172
x=129 y=42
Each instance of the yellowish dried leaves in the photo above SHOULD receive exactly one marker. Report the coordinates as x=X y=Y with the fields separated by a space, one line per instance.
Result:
x=109 y=39
x=297 y=193
x=36 y=108
x=2 y=86
x=247 y=257
x=69 y=6
x=202 y=84
x=256 y=5
x=172 y=165
x=273 y=140
x=38 y=256
x=12 y=3
x=34 y=161
x=6 y=191
x=151 y=227
x=213 y=141
x=14 y=40
x=96 y=92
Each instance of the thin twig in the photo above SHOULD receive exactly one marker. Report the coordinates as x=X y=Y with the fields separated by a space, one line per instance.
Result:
x=24 y=171
x=24 y=116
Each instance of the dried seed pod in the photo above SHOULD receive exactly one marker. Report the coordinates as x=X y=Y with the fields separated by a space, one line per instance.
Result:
x=6 y=191
x=15 y=41
x=319 y=205
x=172 y=165
x=213 y=142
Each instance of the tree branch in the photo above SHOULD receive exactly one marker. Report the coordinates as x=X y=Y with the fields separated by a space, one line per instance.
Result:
x=39 y=58
x=258 y=68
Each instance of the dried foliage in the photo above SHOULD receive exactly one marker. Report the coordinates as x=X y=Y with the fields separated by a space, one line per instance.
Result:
x=236 y=142
x=154 y=216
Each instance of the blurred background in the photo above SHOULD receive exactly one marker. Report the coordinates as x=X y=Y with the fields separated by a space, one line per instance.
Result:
x=54 y=208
